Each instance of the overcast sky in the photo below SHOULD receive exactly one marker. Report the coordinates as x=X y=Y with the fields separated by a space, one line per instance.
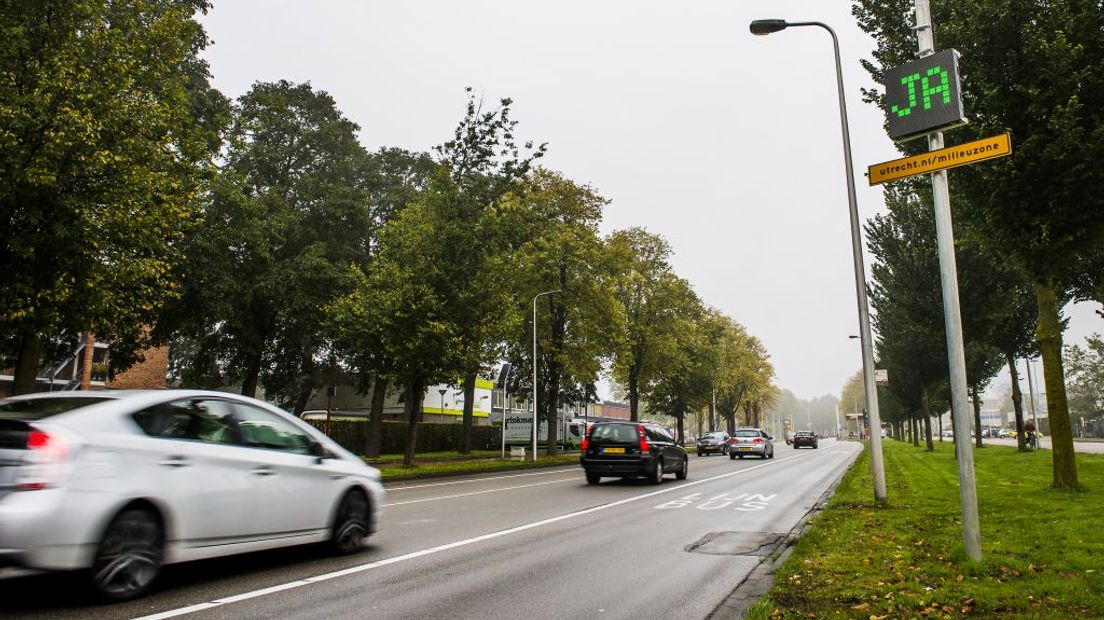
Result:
x=725 y=143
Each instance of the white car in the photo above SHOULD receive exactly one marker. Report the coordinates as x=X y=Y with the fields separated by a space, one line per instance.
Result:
x=122 y=483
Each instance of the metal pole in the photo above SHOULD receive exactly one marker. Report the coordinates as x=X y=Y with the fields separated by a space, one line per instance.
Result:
x=1031 y=394
x=877 y=467
x=948 y=274
x=535 y=422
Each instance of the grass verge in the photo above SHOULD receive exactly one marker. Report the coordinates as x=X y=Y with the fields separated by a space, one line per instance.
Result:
x=1043 y=549
x=430 y=465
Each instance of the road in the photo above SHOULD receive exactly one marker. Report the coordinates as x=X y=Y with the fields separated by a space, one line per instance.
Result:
x=535 y=544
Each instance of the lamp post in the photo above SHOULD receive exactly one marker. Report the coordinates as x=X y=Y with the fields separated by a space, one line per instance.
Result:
x=768 y=26
x=535 y=297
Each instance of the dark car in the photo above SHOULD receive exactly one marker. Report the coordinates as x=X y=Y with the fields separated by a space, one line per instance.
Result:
x=805 y=438
x=750 y=441
x=630 y=449
x=713 y=443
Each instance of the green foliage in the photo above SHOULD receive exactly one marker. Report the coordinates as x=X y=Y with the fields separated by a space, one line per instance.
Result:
x=1032 y=68
x=557 y=247
x=1085 y=377
x=659 y=309
x=288 y=217
x=107 y=130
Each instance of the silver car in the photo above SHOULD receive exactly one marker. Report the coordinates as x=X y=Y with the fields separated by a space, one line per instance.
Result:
x=750 y=442
x=122 y=483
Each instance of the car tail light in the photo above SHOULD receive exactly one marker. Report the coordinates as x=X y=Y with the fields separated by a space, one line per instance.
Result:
x=586 y=439
x=758 y=440
x=644 y=447
x=43 y=466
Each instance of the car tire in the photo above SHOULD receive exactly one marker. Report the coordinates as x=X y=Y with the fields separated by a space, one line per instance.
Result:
x=815 y=446
x=740 y=456
x=350 y=528
x=732 y=456
x=128 y=558
x=593 y=477
x=657 y=477
x=700 y=453
x=771 y=454
x=681 y=474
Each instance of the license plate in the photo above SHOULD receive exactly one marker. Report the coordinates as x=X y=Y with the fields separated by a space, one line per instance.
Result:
x=745 y=449
x=613 y=450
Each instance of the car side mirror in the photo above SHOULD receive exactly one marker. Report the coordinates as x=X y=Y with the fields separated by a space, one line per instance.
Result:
x=317 y=451
x=770 y=438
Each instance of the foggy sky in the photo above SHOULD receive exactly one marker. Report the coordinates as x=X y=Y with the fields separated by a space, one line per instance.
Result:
x=725 y=143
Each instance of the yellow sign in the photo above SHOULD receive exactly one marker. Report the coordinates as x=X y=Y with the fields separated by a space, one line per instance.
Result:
x=950 y=157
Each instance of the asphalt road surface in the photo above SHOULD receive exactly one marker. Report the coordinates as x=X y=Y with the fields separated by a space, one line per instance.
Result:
x=534 y=544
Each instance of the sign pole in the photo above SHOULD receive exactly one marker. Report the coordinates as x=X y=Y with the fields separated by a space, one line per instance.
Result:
x=948 y=273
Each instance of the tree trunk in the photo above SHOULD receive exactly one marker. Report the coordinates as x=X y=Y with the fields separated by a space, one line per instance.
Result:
x=252 y=373
x=928 y=433
x=26 y=364
x=375 y=417
x=730 y=421
x=1017 y=400
x=634 y=395
x=680 y=419
x=940 y=428
x=86 y=361
x=915 y=432
x=469 y=411
x=977 y=415
x=1048 y=333
x=413 y=410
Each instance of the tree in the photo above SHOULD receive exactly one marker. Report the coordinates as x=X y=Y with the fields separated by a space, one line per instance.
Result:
x=288 y=218
x=1033 y=70
x=1085 y=377
x=558 y=248
x=109 y=128
x=679 y=380
x=394 y=324
x=484 y=163
x=655 y=303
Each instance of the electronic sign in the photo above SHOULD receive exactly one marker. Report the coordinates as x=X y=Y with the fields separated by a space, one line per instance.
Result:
x=923 y=96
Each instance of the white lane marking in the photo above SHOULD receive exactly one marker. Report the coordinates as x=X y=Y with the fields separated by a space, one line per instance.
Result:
x=453 y=482
x=520 y=486
x=172 y=613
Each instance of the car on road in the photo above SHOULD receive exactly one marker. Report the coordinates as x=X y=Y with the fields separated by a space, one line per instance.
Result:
x=805 y=438
x=632 y=449
x=121 y=483
x=789 y=438
x=751 y=442
x=713 y=443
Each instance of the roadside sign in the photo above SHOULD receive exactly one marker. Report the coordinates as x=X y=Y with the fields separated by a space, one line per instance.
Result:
x=881 y=376
x=923 y=96
x=950 y=157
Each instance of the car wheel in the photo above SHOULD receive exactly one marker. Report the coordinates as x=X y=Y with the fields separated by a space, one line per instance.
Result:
x=699 y=453
x=771 y=454
x=350 y=527
x=129 y=556
x=657 y=477
x=732 y=456
x=740 y=456
x=814 y=446
x=593 y=478
x=681 y=475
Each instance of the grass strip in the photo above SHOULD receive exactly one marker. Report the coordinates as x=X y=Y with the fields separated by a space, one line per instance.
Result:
x=1043 y=549
x=429 y=469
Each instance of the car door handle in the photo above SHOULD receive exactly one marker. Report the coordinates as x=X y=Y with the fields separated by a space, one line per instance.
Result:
x=176 y=461
x=264 y=471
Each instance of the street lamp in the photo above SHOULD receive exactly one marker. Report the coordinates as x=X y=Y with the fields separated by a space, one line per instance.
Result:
x=535 y=297
x=768 y=26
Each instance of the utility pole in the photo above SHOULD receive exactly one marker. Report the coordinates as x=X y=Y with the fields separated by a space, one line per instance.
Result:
x=948 y=273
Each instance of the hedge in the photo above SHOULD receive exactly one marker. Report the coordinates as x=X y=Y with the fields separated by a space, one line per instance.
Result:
x=353 y=436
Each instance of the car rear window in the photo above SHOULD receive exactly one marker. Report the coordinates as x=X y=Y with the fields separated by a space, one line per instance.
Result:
x=41 y=408
x=614 y=433
x=746 y=434
x=805 y=433
x=714 y=436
